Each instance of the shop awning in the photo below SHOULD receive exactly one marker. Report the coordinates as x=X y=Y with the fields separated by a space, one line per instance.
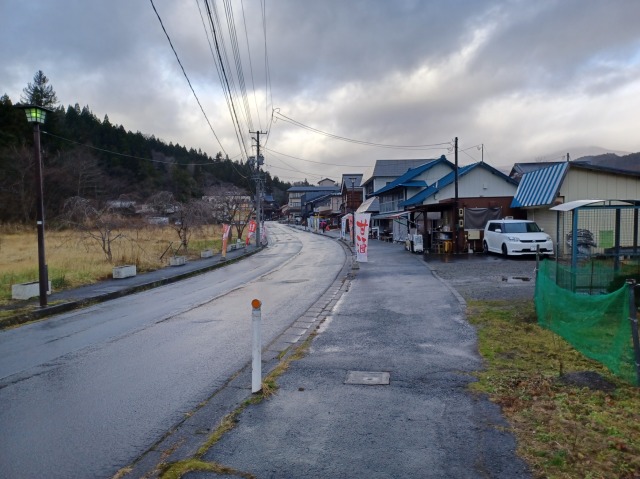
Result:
x=389 y=216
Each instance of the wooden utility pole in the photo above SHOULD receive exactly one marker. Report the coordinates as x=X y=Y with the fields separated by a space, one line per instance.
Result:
x=456 y=223
x=258 y=179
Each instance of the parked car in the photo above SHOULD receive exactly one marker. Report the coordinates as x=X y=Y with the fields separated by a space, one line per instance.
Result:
x=515 y=237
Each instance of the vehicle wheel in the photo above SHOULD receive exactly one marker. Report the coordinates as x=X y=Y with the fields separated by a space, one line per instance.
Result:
x=505 y=252
x=485 y=247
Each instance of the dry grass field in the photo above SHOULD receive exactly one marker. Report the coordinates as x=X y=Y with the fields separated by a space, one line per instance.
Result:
x=74 y=259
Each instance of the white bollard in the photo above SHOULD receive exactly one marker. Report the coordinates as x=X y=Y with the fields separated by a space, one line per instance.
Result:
x=256 y=369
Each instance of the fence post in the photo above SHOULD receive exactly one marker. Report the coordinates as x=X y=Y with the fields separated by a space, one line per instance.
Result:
x=633 y=318
x=256 y=365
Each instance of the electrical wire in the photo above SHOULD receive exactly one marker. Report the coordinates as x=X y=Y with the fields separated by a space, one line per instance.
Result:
x=253 y=84
x=187 y=77
x=268 y=89
x=433 y=146
x=219 y=40
x=235 y=48
x=302 y=159
x=295 y=170
x=111 y=152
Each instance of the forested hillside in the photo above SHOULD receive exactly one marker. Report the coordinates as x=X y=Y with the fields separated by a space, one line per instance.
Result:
x=97 y=160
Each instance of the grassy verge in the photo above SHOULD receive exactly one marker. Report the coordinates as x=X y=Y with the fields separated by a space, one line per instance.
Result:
x=75 y=260
x=563 y=431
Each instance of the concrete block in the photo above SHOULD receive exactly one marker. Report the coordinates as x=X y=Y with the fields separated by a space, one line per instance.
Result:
x=124 y=271
x=27 y=290
x=177 y=260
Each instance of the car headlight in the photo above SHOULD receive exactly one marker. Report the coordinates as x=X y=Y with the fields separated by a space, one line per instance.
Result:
x=513 y=238
x=548 y=238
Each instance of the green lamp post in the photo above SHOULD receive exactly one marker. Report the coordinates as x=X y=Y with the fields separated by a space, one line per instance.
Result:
x=37 y=115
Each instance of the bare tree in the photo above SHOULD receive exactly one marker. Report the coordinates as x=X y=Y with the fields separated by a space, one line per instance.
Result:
x=188 y=216
x=163 y=203
x=230 y=205
x=97 y=222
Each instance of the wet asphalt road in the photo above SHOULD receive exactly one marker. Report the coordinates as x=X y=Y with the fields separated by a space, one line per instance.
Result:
x=85 y=393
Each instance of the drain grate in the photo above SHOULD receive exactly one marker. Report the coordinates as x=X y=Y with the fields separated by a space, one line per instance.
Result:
x=368 y=378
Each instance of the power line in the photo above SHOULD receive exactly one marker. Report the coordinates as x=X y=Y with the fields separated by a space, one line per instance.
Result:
x=302 y=159
x=235 y=48
x=187 y=77
x=218 y=39
x=246 y=34
x=433 y=146
x=295 y=170
x=111 y=152
x=268 y=91
x=224 y=90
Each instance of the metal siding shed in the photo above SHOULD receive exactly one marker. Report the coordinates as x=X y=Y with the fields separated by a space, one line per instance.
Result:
x=540 y=187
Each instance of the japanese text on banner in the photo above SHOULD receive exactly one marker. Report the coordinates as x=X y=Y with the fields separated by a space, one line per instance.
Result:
x=362 y=236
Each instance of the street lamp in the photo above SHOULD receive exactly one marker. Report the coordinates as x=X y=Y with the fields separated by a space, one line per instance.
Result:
x=36 y=115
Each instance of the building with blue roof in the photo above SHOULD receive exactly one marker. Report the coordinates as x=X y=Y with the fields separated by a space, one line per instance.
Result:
x=423 y=201
x=568 y=181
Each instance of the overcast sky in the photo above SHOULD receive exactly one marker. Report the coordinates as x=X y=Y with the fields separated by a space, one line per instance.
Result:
x=528 y=79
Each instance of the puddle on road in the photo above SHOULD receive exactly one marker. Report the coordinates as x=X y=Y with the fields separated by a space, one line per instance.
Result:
x=516 y=279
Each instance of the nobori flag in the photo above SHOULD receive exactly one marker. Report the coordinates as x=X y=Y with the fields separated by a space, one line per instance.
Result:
x=361 y=232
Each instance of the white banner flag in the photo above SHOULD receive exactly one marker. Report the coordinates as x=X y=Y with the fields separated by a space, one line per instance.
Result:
x=362 y=236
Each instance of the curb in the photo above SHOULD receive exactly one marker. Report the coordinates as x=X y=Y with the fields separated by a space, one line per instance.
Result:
x=184 y=439
x=52 y=310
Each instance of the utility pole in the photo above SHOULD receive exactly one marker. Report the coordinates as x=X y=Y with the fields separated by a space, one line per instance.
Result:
x=258 y=179
x=456 y=222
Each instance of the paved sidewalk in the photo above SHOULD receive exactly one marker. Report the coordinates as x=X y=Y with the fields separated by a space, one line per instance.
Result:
x=397 y=318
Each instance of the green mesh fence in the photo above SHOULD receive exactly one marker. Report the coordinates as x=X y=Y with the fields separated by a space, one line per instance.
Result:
x=596 y=325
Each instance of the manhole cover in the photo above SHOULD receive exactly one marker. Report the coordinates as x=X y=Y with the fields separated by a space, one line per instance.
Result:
x=369 y=378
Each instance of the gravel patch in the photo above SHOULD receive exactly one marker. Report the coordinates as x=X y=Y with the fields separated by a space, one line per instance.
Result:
x=486 y=277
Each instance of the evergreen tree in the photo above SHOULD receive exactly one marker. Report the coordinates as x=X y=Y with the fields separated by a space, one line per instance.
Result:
x=39 y=93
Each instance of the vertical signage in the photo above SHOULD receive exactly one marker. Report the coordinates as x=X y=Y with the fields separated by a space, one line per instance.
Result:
x=226 y=229
x=361 y=233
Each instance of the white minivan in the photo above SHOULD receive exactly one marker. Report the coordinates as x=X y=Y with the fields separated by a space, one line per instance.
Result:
x=515 y=237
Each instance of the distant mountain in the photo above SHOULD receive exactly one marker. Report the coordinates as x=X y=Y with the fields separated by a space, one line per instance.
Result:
x=629 y=162
x=594 y=155
x=575 y=153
